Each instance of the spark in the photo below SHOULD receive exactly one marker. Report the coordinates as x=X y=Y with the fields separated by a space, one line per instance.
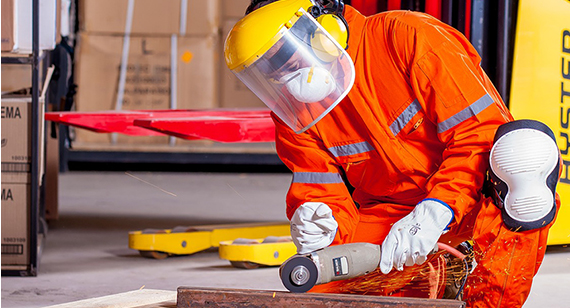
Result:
x=137 y=178
x=230 y=186
x=414 y=279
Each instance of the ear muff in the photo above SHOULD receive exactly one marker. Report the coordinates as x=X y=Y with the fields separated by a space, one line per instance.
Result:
x=323 y=47
x=336 y=26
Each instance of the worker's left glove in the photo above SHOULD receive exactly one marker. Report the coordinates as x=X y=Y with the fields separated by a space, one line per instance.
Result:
x=413 y=237
x=313 y=227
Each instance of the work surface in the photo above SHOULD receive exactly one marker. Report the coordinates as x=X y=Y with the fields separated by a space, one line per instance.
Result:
x=86 y=253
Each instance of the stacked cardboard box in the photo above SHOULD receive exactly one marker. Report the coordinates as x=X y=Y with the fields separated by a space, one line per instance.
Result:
x=16 y=177
x=146 y=54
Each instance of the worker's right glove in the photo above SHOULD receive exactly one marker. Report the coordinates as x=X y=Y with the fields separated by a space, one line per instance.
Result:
x=313 y=227
x=413 y=237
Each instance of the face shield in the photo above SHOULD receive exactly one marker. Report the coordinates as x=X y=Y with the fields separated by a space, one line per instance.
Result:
x=303 y=75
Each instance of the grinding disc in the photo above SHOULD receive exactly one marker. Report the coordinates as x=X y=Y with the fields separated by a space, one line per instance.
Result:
x=307 y=282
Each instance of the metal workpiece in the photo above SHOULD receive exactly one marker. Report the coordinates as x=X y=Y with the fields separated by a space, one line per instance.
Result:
x=233 y=298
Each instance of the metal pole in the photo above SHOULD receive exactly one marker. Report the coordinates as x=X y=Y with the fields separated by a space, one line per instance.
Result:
x=34 y=185
x=447 y=12
x=459 y=10
x=480 y=30
x=503 y=48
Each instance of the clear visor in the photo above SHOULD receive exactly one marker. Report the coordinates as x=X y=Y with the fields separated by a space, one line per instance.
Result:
x=302 y=76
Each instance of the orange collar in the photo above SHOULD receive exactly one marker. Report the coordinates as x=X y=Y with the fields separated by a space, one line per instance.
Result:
x=356 y=22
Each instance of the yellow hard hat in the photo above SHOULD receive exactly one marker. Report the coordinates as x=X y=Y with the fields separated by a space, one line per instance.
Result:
x=253 y=35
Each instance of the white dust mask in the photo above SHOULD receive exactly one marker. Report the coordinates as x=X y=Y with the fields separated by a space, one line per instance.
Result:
x=309 y=84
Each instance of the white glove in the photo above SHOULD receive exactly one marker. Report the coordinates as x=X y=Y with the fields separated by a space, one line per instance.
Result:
x=313 y=227
x=413 y=237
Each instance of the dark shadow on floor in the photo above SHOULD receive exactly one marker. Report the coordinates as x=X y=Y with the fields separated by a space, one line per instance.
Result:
x=554 y=249
x=132 y=223
x=166 y=167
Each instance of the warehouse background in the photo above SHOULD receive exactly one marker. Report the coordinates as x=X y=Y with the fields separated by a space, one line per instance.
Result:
x=156 y=55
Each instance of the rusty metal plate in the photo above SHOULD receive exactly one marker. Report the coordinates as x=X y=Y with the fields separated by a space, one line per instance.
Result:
x=233 y=298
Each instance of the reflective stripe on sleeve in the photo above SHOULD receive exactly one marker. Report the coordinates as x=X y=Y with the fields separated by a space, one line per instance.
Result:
x=471 y=110
x=351 y=149
x=405 y=117
x=317 y=178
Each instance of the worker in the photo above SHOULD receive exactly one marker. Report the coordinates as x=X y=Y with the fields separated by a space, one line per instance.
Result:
x=389 y=125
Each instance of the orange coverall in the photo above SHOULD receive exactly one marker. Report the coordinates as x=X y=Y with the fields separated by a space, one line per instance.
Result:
x=418 y=123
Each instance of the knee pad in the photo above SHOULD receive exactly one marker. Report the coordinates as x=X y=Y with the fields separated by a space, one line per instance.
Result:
x=524 y=169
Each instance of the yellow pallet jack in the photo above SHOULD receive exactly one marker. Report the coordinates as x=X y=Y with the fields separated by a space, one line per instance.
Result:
x=162 y=243
x=255 y=253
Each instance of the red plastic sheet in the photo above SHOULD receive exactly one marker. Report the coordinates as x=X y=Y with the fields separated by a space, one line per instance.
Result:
x=221 y=125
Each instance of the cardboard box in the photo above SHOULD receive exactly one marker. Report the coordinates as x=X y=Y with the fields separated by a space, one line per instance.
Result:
x=147 y=77
x=17 y=25
x=16 y=141
x=16 y=77
x=7 y=25
x=15 y=224
x=233 y=93
x=234 y=9
x=150 y=17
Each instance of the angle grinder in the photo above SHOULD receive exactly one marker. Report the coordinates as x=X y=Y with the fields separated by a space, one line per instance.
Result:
x=300 y=273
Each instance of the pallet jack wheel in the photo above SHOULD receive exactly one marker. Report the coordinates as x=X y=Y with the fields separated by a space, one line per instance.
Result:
x=159 y=255
x=245 y=264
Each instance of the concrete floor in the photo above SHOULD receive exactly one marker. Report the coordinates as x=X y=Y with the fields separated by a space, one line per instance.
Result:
x=86 y=253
